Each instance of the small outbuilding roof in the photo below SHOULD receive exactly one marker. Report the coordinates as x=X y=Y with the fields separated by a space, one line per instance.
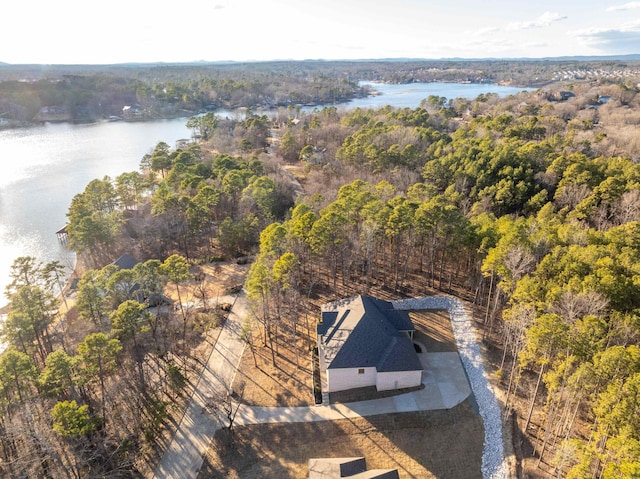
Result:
x=347 y=467
x=126 y=262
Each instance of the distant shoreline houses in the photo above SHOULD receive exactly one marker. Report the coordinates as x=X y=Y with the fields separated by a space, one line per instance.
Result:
x=54 y=113
x=132 y=112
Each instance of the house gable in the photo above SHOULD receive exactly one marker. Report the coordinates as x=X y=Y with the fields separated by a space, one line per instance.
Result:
x=399 y=319
x=363 y=332
x=399 y=356
x=360 y=344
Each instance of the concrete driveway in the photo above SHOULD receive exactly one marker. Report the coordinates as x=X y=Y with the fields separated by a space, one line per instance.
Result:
x=445 y=386
x=184 y=456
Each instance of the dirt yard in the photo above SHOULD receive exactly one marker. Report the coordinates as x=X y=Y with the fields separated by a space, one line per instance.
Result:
x=214 y=280
x=442 y=444
x=421 y=445
x=433 y=329
x=288 y=382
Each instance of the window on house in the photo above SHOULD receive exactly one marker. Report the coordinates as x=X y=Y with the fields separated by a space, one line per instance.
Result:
x=361 y=371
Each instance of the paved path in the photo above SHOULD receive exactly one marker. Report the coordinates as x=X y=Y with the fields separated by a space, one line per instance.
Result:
x=185 y=454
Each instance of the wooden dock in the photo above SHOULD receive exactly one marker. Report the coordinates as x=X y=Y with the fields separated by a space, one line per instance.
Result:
x=63 y=235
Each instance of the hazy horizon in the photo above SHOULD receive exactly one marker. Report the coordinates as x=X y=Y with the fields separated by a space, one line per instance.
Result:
x=633 y=56
x=70 y=33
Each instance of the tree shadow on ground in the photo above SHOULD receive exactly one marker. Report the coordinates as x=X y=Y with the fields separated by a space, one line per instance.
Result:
x=425 y=444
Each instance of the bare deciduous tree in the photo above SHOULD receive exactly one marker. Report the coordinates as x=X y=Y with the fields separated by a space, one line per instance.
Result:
x=572 y=306
x=225 y=404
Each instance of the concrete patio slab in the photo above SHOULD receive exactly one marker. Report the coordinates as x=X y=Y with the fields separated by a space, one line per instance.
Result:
x=445 y=386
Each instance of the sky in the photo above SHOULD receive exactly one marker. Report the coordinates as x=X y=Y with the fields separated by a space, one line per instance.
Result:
x=123 y=31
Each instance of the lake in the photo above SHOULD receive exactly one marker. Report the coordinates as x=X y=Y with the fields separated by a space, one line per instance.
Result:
x=410 y=95
x=43 y=167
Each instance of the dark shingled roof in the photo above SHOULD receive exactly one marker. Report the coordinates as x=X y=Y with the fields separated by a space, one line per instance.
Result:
x=399 y=356
x=367 y=332
x=399 y=319
x=126 y=262
x=348 y=468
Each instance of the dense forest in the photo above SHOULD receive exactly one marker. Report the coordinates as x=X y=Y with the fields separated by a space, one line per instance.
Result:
x=36 y=93
x=88 y=94
x=527 y=207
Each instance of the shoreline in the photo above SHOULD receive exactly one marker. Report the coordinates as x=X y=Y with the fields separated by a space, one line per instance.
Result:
x=220 y=110
x=78 y=269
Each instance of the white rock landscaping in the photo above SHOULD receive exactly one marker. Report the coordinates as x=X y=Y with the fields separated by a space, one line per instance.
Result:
x=493 y=461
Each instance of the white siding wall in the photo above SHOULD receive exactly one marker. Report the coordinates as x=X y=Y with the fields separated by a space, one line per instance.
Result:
x=397 y=380
x=348 y=378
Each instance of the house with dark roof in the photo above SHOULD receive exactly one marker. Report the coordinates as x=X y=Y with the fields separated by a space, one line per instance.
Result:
x=363 y=341
x=565 y=95
x=126 y=261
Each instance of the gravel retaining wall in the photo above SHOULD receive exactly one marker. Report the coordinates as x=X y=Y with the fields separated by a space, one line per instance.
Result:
x=493 y=463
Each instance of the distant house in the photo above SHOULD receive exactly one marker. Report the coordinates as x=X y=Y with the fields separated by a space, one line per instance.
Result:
x=126 y=261
x=183 y=143
x=350 y=467
x=131 y=112
x=363 y=341
x=565 y=95
x=53 y=113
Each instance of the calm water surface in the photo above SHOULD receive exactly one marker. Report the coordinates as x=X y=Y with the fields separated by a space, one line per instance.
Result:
x=43 y=167
x=410 y=95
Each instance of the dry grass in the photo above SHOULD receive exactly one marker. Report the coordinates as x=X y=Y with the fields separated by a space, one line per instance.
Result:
x=214 y=279
x=442 y=444
x=425 y=445
x=433 y=330
x=285 y=383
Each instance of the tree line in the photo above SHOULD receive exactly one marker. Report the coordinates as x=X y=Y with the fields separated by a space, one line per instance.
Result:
x=92 y=93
